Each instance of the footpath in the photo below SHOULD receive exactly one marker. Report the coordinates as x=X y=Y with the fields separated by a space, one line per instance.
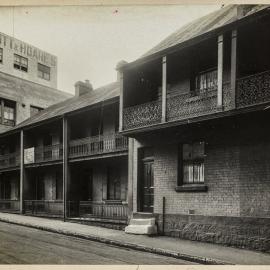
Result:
x=204 y=253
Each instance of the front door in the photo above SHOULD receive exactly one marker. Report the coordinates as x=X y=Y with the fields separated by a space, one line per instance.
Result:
x=148 y=187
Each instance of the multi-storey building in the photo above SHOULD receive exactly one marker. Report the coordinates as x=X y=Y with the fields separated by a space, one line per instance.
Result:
x=197 y=108
x=28 y=81
x=69 y=160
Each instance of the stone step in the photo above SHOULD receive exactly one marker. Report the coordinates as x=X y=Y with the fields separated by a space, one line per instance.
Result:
x=142 y=215
x=141 y=229
x=142 y=221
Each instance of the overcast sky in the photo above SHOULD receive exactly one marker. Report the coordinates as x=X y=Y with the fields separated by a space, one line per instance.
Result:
x=89 y=40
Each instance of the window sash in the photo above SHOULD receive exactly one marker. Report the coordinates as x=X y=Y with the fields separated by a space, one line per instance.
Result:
x=206 y=80
x=7 y=113
x=44 y=72
x=193 y=163
x=193 y=173
x=20 y=63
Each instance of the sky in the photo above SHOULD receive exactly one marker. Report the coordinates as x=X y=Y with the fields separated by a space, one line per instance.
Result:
x=90 y=40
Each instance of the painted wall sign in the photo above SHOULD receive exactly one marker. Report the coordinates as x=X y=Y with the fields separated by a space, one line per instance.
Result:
x=27 y=50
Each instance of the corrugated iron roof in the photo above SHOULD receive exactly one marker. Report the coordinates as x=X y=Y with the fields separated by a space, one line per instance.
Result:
x=98 y=95
x=207 y=23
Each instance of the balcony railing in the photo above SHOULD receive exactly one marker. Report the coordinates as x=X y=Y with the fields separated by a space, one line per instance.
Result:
x=9 y=160
x=43 y=154
x=184 y=106
x=9 y=205
x=102 y=210
x=97 y=145
x=142 y=115
x=43 y=208
x=252 y=90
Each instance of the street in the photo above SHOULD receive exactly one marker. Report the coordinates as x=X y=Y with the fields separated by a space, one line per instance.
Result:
x=22 y=245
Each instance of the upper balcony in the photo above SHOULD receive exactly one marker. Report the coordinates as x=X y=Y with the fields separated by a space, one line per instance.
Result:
x=9 y=152
x=11 y=160
x=95 y=134
x=97 y=145
x=223 y=73
x=42 y=154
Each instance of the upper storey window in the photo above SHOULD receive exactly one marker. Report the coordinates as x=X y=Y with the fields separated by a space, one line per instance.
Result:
x=7 y=112
x=43 y=72
x=20 y=63
x=206 y=80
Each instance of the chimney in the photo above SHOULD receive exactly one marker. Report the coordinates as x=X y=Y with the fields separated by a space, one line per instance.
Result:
x=119 y=67
x=82 y=88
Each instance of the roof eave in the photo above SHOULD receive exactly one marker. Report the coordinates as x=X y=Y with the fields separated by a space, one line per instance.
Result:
x=195 y=40
x=55 y=118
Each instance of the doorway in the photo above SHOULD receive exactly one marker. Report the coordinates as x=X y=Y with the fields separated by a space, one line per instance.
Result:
x=146 y=182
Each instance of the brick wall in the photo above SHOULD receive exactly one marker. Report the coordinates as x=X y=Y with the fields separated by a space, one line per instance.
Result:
x=236 y=208
x=237 y=174
x=255 y=179
x=221 y=173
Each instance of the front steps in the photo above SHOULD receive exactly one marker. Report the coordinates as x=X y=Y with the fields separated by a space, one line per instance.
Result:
x=142 y=223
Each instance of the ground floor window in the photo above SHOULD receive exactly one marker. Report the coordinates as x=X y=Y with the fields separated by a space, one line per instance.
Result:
x=59 y=186
x=5 y=189
x=113 y=185
x=40 y=187
x=192 y=163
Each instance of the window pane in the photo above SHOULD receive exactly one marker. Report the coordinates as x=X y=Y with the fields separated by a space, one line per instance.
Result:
x=20 y=63
x=187 y=152
x=188 y=173
x=43 y=72
x=8 y=113
x=198 y=173
x=193 y=163
x=206 y=80
x=198 y=150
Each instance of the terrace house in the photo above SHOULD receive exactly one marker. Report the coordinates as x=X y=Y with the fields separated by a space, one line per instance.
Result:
x=68 y=161
x=196 y=108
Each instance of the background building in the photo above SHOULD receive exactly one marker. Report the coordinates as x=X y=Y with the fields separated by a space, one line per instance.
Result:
x=28 y=81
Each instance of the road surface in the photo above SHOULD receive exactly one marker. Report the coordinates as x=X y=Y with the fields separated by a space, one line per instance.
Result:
x=22 y=245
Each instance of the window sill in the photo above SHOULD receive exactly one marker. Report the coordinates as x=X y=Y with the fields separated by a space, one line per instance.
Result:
x=192 y=188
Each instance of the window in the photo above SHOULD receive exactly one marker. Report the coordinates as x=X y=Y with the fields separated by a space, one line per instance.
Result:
x=40 y=187
x=205 y=81
x=59 y=186
x=7 y=112
x=1 y=55
x=20 y=63
x=193 y=163
x=43 y=72
x=5 y=188
x=34 y=110
x=113 y=184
